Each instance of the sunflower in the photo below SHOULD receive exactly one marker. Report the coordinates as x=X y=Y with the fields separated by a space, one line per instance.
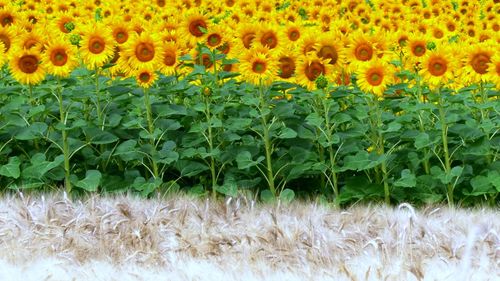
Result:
x=169 y=58
x=59 y=58
x=360 y=49
x=293 y=31
x=145 y=77
x=476 y=62
x=7 y=16
x=330 y=48
x=216 y=36
x=308 y=42
x=494 y=70
x=270 y=37
x=196 y=26
x=64 y=22
x=3 y=57
x=246 y=34
x=25 y=66
x=143 y=50
x=120 y=31
x=438 y=67
x=29 y=40
x=258 y=66
x=97 y=45
x=7 y=35
x=374 y=76
x=287 y=64
x=310 y=67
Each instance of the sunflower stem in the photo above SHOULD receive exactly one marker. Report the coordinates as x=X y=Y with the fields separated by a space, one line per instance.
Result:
x=208 y=116
x=444 y=138
x=422 y=125
x=151 y=129
x=331 y=151
x=33 y=103
x=64 y=132
x=379 y=143
x=98 y=100
x=267 y=141
x=485 y=116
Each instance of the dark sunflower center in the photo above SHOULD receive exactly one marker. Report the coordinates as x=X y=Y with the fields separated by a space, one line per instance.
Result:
x=480 y=63
x=28 y=64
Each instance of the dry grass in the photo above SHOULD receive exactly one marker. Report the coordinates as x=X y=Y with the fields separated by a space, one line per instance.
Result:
x=123 y=238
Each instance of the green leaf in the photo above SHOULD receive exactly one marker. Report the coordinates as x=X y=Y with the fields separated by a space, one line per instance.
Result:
x=91 y=181
x=407 y=179
x=362 y=161
x=98 y=136
x=127 y=151
x=244 y=160
x=228 y=189
x=481 y=185
x=39 y=166
x=494 y=178
x=422 y=140
x=11 y=169
x=267 y=196
x=287 y=133
x=393 y=127
x=287 y=195
x=35 y=131
x=314 y=119
x=191 y=168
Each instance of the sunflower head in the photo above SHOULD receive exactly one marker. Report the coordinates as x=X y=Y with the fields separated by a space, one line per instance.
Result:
x=258 y=66
x=25 y=66
x=438 y=67
x=310 y=67
x=374 y=77
x=477 y=60
x=145 y=77
x=59 y=58
x=97 y=45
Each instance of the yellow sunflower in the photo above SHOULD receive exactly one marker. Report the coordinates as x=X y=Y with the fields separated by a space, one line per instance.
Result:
x=216 y=36
x=7 y=16
x=196 y=26
x=143 y=50
x=7 y=36
x=29 y=40
x=438 y=67
x=145 y=77
x=330 y=48
x=494 y=70
x=287 y=64
x=270 y=36
x=25 y=66
x=97 y=45
x=476 y=62
x=121 y=32
x=374 y=76
x=59 y=58
x=360 y=49
x=169 y=58
x=310 y=67
x=258 y=66
x=3 y=57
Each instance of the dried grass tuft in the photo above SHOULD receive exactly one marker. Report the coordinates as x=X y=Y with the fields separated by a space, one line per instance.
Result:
x=126 y=238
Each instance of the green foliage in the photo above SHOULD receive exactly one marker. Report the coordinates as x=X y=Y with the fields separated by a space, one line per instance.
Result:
x=206 y=133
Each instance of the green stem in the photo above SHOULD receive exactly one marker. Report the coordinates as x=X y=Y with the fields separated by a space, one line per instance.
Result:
x=151 y=129
x=444 y=138
x=98 y=100
x=208 y=115
x=331 y=151
x=33 y=104
x=267 y=142
x=485 y=115
x=379 y=144
x=422 y=126
x=64 y=132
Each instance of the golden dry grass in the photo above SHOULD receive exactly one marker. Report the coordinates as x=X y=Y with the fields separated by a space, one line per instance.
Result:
x=125 y=238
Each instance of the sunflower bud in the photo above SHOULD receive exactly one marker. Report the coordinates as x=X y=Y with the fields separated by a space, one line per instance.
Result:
x=69 y=26
x=207 y=91
x=75 y=39
x=431 y=46
x=321 y=82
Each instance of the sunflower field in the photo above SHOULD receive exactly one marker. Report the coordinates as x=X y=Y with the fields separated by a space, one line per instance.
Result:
x=343 y=101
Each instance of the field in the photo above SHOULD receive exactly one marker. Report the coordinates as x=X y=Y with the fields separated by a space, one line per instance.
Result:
x=250 y=139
